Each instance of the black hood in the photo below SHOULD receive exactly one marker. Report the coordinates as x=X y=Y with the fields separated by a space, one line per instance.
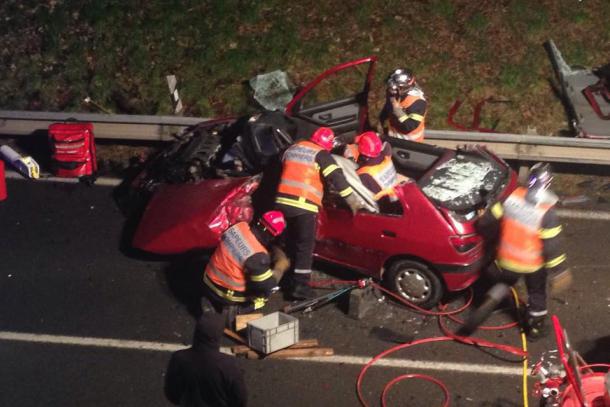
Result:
x=208 y=330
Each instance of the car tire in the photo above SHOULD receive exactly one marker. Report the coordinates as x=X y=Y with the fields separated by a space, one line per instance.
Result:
x=414 y=282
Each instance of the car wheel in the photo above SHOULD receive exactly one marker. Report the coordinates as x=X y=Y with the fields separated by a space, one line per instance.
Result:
x=414 y=282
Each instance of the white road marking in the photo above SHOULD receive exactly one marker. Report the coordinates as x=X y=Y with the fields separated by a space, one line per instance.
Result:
x=337 y=359
x=582 y=214
x=419 y=364
x=113 y=182
x=94 y=342
x=101 y=181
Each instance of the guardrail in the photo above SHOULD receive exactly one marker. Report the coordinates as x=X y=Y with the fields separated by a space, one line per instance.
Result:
x=161 y=128
x=107 y=126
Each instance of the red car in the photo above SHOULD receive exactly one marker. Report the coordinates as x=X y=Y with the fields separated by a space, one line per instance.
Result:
x=421 y=246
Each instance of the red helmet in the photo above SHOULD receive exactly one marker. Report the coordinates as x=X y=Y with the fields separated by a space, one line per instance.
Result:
x=274 y=222
x=324 y=137
x=369 y=144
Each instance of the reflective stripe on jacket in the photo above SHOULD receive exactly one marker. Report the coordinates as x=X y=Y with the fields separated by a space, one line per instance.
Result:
x=384 y=175
x=301 y=177
x=225 y=273
x=521 y=248
x=418 y=133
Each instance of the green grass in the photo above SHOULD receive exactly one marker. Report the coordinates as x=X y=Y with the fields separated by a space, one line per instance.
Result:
x=477 y=23
x=510 y=76
x=54 y=54
x=443 y=8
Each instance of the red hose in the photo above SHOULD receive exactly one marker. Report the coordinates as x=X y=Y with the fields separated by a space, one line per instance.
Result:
x=596 y=365
x=416 y=376
x=450 y=336
x=423 y=310
x=392 y=350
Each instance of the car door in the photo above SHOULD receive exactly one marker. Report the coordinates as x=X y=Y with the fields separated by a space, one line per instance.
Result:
x=362 y=241
x=338 y=98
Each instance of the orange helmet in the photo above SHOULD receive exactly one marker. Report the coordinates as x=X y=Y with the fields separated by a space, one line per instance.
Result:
x=273 y=222
x=324 y=137
x=369 y=144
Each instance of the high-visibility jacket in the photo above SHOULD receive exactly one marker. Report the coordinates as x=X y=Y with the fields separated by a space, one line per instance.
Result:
x=225 y=274
x=418 y=133
x=521 y=236
x=384 y=175
x=301 y=176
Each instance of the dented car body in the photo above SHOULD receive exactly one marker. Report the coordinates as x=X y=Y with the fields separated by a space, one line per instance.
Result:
x=422 y=246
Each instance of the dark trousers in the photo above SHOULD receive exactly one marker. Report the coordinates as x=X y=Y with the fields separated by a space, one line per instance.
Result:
x=534 y=282
x=300 y=239
x=212 y=303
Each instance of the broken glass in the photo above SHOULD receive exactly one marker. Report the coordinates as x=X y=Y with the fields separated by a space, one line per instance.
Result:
x=460 y=184
x=272 y=90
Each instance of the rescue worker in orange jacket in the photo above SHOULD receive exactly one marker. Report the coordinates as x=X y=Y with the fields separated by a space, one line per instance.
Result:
x=376 y=169
x=404 y=112
x=239 y=272
x=529 y=245
x=307 y=166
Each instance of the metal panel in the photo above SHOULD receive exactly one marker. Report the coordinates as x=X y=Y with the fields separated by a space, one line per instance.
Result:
x=107 y=126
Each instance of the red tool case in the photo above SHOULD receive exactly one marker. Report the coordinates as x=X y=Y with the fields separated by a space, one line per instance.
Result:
x=73 y=149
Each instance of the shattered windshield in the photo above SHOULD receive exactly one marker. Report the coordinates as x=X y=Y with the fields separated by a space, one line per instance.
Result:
x=463 y=182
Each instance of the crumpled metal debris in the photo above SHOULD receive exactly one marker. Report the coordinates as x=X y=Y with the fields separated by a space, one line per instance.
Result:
x=272 y=90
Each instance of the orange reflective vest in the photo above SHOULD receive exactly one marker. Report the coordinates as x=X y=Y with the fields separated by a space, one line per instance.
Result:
x=301 y=175
x=418 y=133
x=521 y=248
x=225 y=273
x=384 y=175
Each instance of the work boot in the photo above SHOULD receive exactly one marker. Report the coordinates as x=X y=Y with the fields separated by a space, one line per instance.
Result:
x=536 y=328
x=299 y=288
x=301 y=291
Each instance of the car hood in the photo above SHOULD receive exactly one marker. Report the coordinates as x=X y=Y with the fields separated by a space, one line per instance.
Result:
x=185 y=217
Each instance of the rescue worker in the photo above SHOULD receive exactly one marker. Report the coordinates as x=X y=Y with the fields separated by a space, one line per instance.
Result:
x=529 y=245
x=239 y=277
x=307 y=166
x=405 y=107
x=202 y=376
x=376 y=169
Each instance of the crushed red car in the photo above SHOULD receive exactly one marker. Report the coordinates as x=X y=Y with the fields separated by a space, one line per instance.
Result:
x=422 y=246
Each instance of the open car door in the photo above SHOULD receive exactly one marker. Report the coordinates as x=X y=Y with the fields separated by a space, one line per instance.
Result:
x=338 y=98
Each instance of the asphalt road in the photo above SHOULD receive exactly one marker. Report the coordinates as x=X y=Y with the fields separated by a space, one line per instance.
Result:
x=66 y=287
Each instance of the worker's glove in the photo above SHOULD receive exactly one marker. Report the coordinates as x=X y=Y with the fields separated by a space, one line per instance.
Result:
x=355 y=203
x=281 y=262
x=561 y=281
x=259 y=302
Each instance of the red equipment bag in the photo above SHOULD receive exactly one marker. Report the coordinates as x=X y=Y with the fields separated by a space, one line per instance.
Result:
x=73 y=149
x=2 y=182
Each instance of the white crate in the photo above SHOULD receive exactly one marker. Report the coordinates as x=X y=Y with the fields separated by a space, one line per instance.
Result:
x=273 y=332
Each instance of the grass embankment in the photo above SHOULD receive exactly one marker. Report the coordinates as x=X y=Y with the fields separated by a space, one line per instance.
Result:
x=54 y=53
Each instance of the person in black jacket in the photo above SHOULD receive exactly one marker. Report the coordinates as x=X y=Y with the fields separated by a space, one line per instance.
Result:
x=202 y=376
